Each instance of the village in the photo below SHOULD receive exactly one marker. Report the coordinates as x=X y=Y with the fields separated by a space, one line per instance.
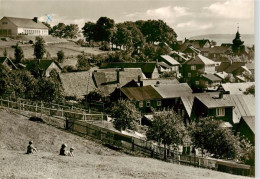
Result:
x=194 y=96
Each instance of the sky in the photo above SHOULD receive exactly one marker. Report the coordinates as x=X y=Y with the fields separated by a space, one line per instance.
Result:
x=187 y=17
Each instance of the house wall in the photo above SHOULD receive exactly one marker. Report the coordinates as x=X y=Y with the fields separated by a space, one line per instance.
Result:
x=53 y=66
x=245 y=131
x=7 y=29
x=30 y=31
x=209 y=69
x=145 y=109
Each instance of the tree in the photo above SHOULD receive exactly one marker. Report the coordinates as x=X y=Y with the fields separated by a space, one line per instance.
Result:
x=122 y=37
x=59 y=30
x=89 y=31
x=5 y=52
x=18 y=53
x=167 y=128
x=157 y=31
x=208 y=134
x=71 y=31
x=104 y=29
x=60 y=56
x=39 y=48
x=83 y=63
x=125 y=115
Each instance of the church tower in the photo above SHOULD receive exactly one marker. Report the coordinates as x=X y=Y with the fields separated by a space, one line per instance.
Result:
x=237 y=46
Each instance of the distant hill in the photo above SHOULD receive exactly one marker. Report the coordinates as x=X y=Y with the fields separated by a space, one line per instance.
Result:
x=227 y=38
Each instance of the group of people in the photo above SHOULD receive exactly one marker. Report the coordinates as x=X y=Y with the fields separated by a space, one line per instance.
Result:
x=32 y=149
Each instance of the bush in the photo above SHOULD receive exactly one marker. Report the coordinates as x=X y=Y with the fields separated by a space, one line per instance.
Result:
x=68 y=68
x=105 y=46
x=36 y=119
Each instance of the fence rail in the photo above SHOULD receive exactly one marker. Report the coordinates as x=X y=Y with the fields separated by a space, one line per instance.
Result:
x=78 y=122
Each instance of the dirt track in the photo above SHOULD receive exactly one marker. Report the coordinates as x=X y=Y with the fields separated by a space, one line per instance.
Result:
x=91 y=160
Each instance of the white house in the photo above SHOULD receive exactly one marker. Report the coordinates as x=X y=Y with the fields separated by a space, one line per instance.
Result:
x=22 y=26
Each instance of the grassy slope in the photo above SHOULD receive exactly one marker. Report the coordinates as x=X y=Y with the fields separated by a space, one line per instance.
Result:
x=91 y=160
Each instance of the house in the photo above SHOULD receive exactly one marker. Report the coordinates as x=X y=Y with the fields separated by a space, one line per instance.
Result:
x=22 y=26
x=191 y=51
x=107 y=80
x=179 y=56
x=220 y=107
x=216 y=53
x=46 y=66
x=222 y=75
x=236 y=88
x=171 y=93
x=209 y=81
x=77 y=84
x=144 y=97
x=197 y=66
x=149 y=69
x=246 y=128
x=171 y=62
x=5 y=61
x=198 y=44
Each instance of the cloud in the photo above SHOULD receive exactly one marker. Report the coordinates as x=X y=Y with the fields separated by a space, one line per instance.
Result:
x=194 y=24
x=168 y=13
x=237 y=9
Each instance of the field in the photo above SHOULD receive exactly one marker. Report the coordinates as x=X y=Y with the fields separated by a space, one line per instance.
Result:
x=91 y=160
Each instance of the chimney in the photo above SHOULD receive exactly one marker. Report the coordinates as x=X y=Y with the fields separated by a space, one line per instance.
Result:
x=221 y=94
x=35 y=19
x=140 y=81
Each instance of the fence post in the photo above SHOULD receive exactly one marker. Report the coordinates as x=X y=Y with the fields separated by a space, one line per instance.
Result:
x=36 y=109
x=1 y=101
x=61 y=112
x=20 y=105
x=133 y=144
x=8 y=102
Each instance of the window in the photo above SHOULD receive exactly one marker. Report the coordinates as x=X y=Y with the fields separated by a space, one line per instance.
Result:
x=220 y=111
x=148 y=103
x=189 y=74
x=141 y=104
x=197 y=82
x=193 y=67
x=4 y=23
x=159 y=103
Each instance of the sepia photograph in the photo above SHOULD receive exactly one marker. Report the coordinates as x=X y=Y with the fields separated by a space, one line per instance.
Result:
x=115 y=89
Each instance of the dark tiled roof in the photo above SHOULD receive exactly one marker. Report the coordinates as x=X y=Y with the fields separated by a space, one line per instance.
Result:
x=27 y=23
x=44 y=64
x=211 y=77
x=229 y=67
x=141 y=93
x=106 y=79
x=147 y=82
x=77 y=83
x=146 y=67
x=215 y=49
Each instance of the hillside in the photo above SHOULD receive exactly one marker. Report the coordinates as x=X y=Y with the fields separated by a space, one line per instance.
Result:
x=92 y=160
x=226 y=38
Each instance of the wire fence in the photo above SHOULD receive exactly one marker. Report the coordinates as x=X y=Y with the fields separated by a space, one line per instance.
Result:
x=77 y=120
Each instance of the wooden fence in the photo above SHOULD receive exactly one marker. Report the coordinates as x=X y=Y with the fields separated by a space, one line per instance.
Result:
x=77 y=121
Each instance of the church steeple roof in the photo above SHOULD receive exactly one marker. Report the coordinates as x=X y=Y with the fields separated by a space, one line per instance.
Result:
x=237 y=41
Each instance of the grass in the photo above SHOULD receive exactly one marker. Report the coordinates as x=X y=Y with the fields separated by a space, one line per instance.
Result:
x=92 y=160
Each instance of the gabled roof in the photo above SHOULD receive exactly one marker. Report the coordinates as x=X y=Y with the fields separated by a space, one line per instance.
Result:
x=221 y=75
x=146 y=67
x=170 y=60
x=200 y=42
x=244 y=106
x=236 y=88
x=215 y=102
x=173 y=90
x=77 y=83
x=26 y=23
x=215 y=49
x=229 y=67
x=200 y=59
x=106 y=79
x=180 y=54
x=147 y=82
x=44 y=64
x=3 y=59
x=141 y=93
x=211 y=77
